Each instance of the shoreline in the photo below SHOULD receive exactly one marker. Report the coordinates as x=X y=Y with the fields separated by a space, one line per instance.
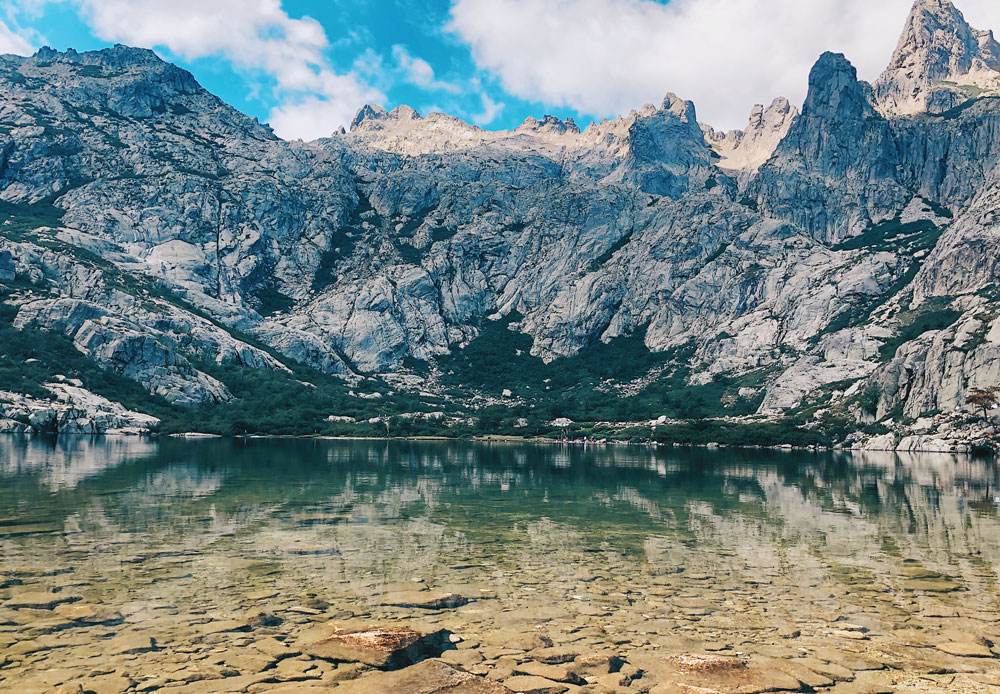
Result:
x=973 y=452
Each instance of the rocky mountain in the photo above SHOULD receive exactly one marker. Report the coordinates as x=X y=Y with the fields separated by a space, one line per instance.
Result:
x=939 y=64
x=832 y=269
x=745 y=151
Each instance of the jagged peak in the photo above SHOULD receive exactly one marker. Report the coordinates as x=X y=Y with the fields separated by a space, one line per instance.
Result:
x=959 y=44
x=780 y=111
x=453 y=121
x=117 y=56
x=404 y=112
x=938 y=53
x=548 y=124
x=680 y=107
x=834 y=89
x=49 y=53
x=781 y=105
x=933 y=7
x=830 y=61
x=748 y=149
x=367 y=113
x=371 y=115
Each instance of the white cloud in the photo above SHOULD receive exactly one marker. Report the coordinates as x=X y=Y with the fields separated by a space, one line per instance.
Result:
x=419 y=72
x=309 y=117
x=607 y=57
x=11 y=42
x=491 y=109
x=255 y=35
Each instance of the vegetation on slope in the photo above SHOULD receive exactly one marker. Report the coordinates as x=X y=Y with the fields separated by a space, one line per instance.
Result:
x=299 y=403
x=617 y=381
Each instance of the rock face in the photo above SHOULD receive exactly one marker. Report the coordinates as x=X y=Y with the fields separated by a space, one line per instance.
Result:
x=939 y=63
x=745 y=151
x=160 y=230
x=71 y=410
x=835 y=173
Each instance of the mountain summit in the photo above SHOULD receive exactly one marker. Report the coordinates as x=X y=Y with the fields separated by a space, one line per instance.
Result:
x=939 y=63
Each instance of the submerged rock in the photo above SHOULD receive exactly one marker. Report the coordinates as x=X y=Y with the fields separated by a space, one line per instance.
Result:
x=427 y=600
x=966 y=650
x=428 y=677
x=87 y=613
x=720 y=674
x=40 y=600
x=385 y=647
x=528 y=684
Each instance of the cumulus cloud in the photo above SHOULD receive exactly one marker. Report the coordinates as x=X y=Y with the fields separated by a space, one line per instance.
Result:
x=419 y=72
x=255 y=35
x=11 y=42
x=606 y=57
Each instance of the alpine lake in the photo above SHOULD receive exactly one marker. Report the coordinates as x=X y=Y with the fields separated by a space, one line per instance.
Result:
x=191 y=566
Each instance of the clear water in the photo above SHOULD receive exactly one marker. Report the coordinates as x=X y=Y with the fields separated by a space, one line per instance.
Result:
x=631 y=549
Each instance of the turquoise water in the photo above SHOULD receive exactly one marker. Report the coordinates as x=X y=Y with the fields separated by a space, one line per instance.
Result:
x=664 y=549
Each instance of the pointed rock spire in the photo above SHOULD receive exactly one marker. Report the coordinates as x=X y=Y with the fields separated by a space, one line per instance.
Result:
x=367 y=114
x=938 y=54
x=680 y=107
x=746 y=150
x=835 y=93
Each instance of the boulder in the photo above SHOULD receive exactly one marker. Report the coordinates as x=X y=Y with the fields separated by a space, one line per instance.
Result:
x=385 y=647
x=428 y=677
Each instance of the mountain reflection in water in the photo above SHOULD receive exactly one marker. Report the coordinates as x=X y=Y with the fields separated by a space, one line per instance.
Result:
x=663 y=549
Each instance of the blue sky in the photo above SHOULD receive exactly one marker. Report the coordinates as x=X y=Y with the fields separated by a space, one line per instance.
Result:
x=398 y=51
x=306 y=66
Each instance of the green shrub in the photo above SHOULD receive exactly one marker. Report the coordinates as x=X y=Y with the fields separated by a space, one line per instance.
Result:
x=930 y=317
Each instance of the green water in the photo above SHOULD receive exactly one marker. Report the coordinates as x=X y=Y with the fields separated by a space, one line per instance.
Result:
x=660 y=548
x=177 y=491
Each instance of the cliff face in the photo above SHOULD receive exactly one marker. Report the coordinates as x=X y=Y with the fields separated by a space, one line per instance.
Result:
x=160 y=230
x=939 y=63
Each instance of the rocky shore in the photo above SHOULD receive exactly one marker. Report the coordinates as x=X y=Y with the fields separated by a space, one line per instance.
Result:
x=71 y=409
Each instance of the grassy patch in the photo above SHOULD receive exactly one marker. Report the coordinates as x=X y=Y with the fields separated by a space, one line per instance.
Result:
x=90 y=71
x=271 y=301
x=932 y=315
x=919 y=235
x=978 y=338
x=586 y=387
x=717 y=254
x=740 y=434
x=442 y=234
x=23 y=218
x=957 y=111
